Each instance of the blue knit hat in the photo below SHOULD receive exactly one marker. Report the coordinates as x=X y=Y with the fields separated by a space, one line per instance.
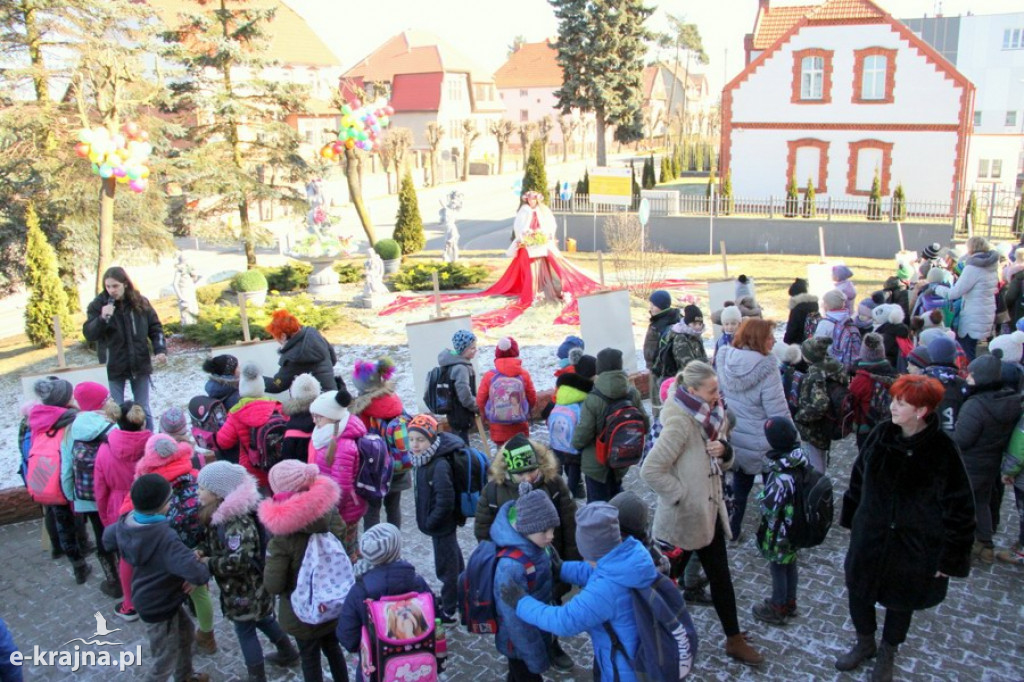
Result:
x=567 y=345
x=661 y=299
x=462 y=340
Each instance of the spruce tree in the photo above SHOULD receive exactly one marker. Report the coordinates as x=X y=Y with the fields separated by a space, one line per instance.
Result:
x=536 y=178
x=899 y=203
x=971 y=213
x=792 y=200
x=677 y=162
x=666 y=169
x=583 y=186
x=47 y=297
x=649 y=180
x=875 y=199
x=727 y=201
x=810 y=206
x=408 y=223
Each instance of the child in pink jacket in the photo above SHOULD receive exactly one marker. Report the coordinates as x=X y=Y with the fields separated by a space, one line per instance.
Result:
x=333 y=448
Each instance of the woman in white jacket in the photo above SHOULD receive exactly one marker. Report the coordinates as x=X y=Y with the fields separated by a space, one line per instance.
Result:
x=977 y=287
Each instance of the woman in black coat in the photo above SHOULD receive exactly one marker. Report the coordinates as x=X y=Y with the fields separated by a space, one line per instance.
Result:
x=304 y=350
x=911 y=513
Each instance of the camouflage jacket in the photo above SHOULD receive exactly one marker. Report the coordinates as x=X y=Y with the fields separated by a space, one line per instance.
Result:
x=812 y=416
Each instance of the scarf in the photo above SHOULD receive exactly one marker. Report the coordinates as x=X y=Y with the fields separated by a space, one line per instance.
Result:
x=146 y=519
x=322 y=435
x=424 y=457
x=710 y=418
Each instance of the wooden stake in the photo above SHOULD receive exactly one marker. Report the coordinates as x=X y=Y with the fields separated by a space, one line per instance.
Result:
x=483 y=437
x=821 y=242
x=242 y=296
x=58 y=337
x=725 y=259
x=437 y=295
x=600 y=266
x=899 y=231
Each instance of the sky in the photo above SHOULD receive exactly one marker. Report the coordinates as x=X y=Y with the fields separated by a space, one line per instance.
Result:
x=483 y=29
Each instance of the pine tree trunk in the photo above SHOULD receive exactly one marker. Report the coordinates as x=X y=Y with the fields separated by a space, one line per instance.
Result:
x=355 y=193
x=106 y=235
x=602 y=154
x=250 y=248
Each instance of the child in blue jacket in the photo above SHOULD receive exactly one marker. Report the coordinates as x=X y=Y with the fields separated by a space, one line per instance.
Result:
x=612 y=567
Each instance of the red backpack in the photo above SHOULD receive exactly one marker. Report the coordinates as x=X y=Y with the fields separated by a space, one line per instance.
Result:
x=620 y=443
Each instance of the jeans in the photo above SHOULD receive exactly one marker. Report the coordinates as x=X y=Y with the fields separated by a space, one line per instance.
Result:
x=897 y=623
x=249 y=643
x=716 y=565
x=448 y=564
x=518 y=671
x=309 y=654
x=1018 y=498
x=969 y=345
x=170 y=646
x=392 y=506
x=783 y=582
x=140 y=394
x=741 y=485
x=602 y=492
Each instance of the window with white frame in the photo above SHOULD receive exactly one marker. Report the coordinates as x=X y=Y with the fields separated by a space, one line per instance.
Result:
x=1011 y=118
x=872 y=85
x=1013 y=39
x=454 y=90
x=524 y=93
x=869 y=162
x=996 y=169
x=982 y=168
x=808 y=161
x=812 y=77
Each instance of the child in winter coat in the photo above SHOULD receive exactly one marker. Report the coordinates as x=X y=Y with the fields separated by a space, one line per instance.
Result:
x=888 y=323
x=333 y=448
x=222 y=384
x=777 y=502
x=115 y=472
x=233 y=553
x=812 y=414
x=566 y=361
x=304 y=390
x=165 y=570
x=174 y=423
x=528 y=525
x=943 y=354
x=376 y=405
x=571 y=389
x=842 y=278
x=729 y=318
x=687 y=339
x=173 y=460
x=801 y=304
x=633 y=523
x=839 y=326
x=663 y=316
x=874 y=373
x=437 y=511
x=506 y=395
x=252 y=410
x=304 y=503
x=459 y=364
x=1012 y=472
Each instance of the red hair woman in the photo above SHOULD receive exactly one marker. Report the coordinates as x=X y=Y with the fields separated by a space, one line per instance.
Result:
x=303 y=350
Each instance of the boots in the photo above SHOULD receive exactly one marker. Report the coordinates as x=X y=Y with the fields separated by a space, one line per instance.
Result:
x=882 y=672
x=736 y=647
x=559 y=659
x=285 y=655
x=257 y=673
x=111 y=585
x=82 y=570
x=206 y=644
x=767 y=612
x=864 y=648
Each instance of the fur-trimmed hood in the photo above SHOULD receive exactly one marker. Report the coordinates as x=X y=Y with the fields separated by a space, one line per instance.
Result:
x=546 y=458
x=363 y=400
x=229 y=381
x=170 y=468
x=291 y=405
x=740 y=369
x=574 y=381
x=300 y=510
x=239 y=502
x=794 y=301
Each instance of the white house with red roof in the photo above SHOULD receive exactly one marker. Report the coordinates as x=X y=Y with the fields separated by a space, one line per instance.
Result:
x=840 y=91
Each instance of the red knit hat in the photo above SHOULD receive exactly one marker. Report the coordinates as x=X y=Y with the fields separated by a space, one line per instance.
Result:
x=91 y=396
x=506 y=348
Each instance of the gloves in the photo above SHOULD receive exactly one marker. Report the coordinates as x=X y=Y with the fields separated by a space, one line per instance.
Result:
x=511 y=593
x=556 y=563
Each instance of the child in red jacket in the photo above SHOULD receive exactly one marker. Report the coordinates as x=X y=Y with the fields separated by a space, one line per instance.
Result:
x=506 y=395
x=252 y=410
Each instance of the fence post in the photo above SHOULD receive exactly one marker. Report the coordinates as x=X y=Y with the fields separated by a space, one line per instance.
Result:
x=991 y=210
x=771 y=207
x=830 y=208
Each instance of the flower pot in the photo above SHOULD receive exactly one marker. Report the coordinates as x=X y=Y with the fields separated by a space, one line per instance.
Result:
x=323 y=281
x=392 y=266
x=253 y=298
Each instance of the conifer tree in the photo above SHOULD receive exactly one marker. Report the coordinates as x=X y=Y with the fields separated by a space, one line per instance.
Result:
x=792 y=200
x=971 y=213
x=536 y=178
x=711 y=188
x=899 y=203
x=408 y=223
x=1018 y=219
x=875 y=199
x=47 y=297
x=810 y=207
x=676 y=164
x=727 y=201
x=649 y=180
x=666 y=169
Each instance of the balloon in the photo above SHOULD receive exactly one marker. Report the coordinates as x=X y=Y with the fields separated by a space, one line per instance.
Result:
x=144 y=172
x=100 y=133
x=143 y=136
x=106 y=171
x=350 y=143
x=389 y=110
x=119 y=171
x=82 y=150
x=85 y=135
x=122 y=179
x=138 y=185
x=131 y=129
x=133 y=172
x=346 y=109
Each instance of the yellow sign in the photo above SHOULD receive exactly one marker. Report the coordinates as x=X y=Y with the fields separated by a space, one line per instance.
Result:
x=611 y=186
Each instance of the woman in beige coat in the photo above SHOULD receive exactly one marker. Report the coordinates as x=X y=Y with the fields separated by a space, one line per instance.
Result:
x=685 y=468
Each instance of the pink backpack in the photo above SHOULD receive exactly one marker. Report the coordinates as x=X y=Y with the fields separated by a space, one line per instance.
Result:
x=399 y=639
x=43 y=477
x=506 y=400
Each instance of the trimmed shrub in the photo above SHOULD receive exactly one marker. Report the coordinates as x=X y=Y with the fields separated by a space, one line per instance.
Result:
x=583 y=186
x=899 y=203
x=250 y=280
x=408 y=223
x=971 y=212
x=875 y=199
x=792 y=199
x=707 y=190
x=810 y=205
x=728 y=204
x=208 y=294
x=289 y=277
x=449 y=276
x=220 y=325
x=348 y=273
x=666 y=169
x=47 y=298
x=388 y=249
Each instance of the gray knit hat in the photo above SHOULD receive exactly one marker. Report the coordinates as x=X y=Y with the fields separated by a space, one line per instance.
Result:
x=381 y=544
x=221 y=477
x=54 y=392
x=632 y=514
x=597 y=530
x=251 y=384
x=534 y=511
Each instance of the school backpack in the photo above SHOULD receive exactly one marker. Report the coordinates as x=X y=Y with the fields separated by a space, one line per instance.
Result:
x=811 y=324
x=266 y=441
x=620 y=442
x=840 y=413
x=42 y=475
x=845 y=343
x=665 y=364
x=375 y=468
x=562 y=421
x=440 y=394
x=506 y=400
x=878 y=405
x=395 y=432
x=791 y=381
x=665 y=632
x=469 y=474
x=207 y=415
x=24 y=446
x=324 y=579
x=813 y=507
x=399 y=638
x=83 y=464
x=477 y=601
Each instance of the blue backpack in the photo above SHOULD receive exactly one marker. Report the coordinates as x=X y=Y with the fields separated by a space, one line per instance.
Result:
x=25 y=446
x=469 y=474
x=375 y=468
x=477 y=608
x=667 y=639
x=562 y=423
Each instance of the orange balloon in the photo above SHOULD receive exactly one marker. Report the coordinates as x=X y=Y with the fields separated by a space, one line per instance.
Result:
x=350 y=143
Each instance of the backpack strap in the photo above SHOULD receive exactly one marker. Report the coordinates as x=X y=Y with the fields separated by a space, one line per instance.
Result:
x=617 y=647
x=528 y=566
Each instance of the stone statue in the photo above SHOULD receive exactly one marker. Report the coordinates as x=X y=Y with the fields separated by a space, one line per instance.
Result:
x=184 y=285
x=450 y=207
x=374 y=274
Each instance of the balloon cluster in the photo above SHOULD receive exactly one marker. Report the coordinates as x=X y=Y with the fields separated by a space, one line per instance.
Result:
x=360 y=129
x=122 y=155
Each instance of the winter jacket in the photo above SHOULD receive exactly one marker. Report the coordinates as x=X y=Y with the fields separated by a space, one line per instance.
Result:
x=463 y=376
x=850 y=292
x=829 y=321
x=608 y=386
x=115 y=470
x=437 y=513
x=386 y=580
x=1013 y=296
x=862 y=387
x=911 y=513
x=890 y=331
x=776 y=501
x=687 y=345
x=752 y=387
x=300 y=428
x=306 y=352
x=124 y=341
x=689 y=488
x=501 y=489
x=183 y=513
x=983 y=429
x=516 y=639
x=247 y=414
x=605 y=598
x=660 y=323
x=290 y=521
x=233 y=547
x=811 y=417
x=977 y=287
x=87 y=426
x=160 y=563
x=953 y=399
x=382 y=404
x=800 y=306
x=223 y=388
x=510 y=367
x=724 y=340
x=344 y=469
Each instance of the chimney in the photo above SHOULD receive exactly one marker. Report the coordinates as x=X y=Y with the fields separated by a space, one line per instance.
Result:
x=763 y=5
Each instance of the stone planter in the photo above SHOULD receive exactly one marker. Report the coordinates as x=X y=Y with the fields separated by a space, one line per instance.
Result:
x=253 y=298
x=323 y=281
x=391 y=267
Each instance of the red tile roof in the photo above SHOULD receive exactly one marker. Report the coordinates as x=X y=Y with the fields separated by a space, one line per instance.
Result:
x=774 y=22
x=533 y=65
x=414 y=52
x=846 y=10
x=416 y=91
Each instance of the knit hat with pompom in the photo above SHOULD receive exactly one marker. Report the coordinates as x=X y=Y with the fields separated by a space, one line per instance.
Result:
x=369 y=376
x=292 y=476
x=250 y=384
x=872 y=348
x=506 y=348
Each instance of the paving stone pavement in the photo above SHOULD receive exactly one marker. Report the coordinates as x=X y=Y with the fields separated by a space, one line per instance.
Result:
x=975 y=634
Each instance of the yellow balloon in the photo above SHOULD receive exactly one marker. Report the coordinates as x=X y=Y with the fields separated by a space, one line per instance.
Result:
x=144 y=173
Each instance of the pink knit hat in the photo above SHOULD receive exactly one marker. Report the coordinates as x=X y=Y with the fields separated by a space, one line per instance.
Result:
x=91 y=396
x=291 y=475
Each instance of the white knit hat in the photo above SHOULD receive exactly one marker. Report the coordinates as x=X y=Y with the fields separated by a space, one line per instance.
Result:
x=731 y=314
x=1011 y=346
x=304 y=388
x=327 y=405
x=250 y=384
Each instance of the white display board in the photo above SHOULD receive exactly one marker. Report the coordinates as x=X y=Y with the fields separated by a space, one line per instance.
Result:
x=426 y=340
x=819 y=277
x=75 y=375
x=606 y=322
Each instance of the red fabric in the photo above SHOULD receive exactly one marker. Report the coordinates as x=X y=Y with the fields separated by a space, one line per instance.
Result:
x=905 y=344
x=861 y=388
x=241 y=418
x=511 y=367
x=382 y=407
x=568 y=369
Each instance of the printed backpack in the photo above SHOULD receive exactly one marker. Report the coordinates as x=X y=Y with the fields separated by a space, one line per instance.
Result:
x=620 y=442
x=83 y=464
x=440 y=394
x=395 y=432
x=375 y=468
x=665 y=364
x=477 y=600
x=469 y=474
x=841 y=410
x=399 y=639
x=878 y=405
x=791 y=381
x=845 y=344
x=665 y=632
x=562 y=421
x=813 y=507
x=506 y=400
x=811 y=324
x=42 y=476
x=324 y=579
x=207 y=416
x=267 y=441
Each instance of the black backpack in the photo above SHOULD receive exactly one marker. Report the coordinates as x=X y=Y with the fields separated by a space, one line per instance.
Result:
x=440 y=395
x=813 y=507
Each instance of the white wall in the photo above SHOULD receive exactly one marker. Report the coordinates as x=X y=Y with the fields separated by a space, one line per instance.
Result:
x=1007 y=148
x=997 y=73
x=538 y=102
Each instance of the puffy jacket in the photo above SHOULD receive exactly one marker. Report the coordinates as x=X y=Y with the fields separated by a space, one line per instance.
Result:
x=462 y=374
x=183 y=513
x=953 y=399
x=849 y=291
x=344 y=469
x=1013 y=296
x=752 y=387
x=307 y=351
x=86 y=427
x=862 y=387
x=983 y=429
x=977 y=287
x=290 y=520
x=687 y=345
x=124 y=342
x=382 y=403
x=510 y=367
x=660 y=323
x=814 y=404
x=777 y=503
x=223 y=388
x=436 y=511
x=247 y=414
x=386 y=580
x=115 y=470
x=605 y=598
x=300 y=428
x=612 y=385
x=516 y=639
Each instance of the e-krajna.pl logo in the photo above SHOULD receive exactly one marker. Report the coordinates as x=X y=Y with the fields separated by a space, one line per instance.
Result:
x=79 y=656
